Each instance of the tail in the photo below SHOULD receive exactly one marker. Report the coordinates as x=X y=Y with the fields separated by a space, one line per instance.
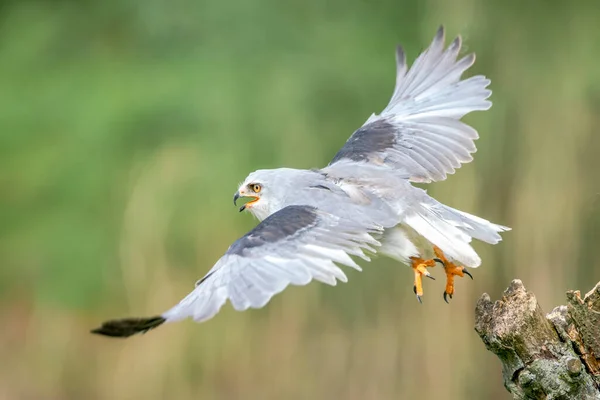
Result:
x=128 y=326
x=476 y=227
x=452 y=230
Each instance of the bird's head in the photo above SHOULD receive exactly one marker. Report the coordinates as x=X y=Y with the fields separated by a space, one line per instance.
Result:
x=261 y=188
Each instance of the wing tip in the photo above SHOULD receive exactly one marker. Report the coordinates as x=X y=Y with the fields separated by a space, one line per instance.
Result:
x=502 y=228
x=400 y=56
x=456 y=44
x=123 y=328
x=440 y=34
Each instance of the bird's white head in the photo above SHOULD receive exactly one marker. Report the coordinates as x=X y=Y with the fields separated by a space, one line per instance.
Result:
x=262 y=188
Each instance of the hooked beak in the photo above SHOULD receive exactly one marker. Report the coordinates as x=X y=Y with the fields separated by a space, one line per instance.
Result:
x=237 y=195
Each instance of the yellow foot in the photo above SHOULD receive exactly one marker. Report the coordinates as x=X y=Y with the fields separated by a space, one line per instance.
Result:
x=452 y=270
x=419 y=267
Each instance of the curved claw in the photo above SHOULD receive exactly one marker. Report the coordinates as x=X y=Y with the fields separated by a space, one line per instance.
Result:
x=446 y=294
x=468 y=273
x=418 y=297
x=437 y=260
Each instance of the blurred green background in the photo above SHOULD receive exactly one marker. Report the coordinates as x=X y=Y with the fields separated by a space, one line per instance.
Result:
x=126 y=126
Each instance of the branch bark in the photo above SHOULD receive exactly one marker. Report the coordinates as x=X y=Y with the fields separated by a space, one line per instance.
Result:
x=554 y=356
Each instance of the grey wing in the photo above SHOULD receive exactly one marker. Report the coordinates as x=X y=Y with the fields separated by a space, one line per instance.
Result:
x=293 y=246
x=419 y=133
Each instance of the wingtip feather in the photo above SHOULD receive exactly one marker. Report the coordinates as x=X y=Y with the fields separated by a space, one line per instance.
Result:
x=400 y=55
x=456 y=44
x=440 y=34
x=126 y=327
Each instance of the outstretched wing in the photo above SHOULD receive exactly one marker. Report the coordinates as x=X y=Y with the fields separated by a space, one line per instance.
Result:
x=293 y=246
x=419 y=133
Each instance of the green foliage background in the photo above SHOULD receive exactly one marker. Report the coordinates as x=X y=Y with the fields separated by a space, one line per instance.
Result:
x=126 y=125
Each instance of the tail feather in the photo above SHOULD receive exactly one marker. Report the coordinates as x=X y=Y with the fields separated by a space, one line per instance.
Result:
x=452 y=230
x=479 y=228
x=451 y=240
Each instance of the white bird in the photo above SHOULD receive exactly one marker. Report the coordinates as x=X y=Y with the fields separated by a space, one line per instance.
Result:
x=418 y=137
x=363 y=201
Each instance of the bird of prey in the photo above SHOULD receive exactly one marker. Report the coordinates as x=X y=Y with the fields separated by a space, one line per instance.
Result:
x=361 y=203
x=418 y=137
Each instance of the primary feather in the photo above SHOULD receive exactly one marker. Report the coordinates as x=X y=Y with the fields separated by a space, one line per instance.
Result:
x=419 y=133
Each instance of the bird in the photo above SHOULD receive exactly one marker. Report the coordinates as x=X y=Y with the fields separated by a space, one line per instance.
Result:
x=417 y=138
x=363 y=203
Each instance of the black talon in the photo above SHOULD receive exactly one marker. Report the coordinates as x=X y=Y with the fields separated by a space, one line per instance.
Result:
x=468 y=273
x=438 y=261
x=446 y=298
x=430 y=277
x=418 y=297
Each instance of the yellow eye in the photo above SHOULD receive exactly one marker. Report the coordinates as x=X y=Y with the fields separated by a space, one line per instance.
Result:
x=256 y=188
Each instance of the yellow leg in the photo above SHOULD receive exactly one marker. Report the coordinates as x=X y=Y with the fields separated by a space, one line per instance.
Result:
x=419 y=267
x=452 y=270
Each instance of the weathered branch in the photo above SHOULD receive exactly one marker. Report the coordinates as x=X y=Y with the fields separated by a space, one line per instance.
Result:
x=554 y=356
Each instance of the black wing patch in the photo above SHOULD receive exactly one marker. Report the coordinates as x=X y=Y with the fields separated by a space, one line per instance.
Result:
x=128 y=326
x=373 y=138
x=278 y=226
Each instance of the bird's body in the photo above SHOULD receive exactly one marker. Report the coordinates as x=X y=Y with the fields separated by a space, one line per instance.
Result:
x=362 y=202
x=376 y=194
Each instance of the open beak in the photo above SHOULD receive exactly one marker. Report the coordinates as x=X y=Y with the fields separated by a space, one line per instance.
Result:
x=237 y=195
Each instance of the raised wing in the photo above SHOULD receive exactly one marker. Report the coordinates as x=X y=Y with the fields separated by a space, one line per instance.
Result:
x=419 y=132
x=293 y=246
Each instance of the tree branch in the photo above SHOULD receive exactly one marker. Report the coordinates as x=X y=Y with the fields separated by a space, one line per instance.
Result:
x=554 y=356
